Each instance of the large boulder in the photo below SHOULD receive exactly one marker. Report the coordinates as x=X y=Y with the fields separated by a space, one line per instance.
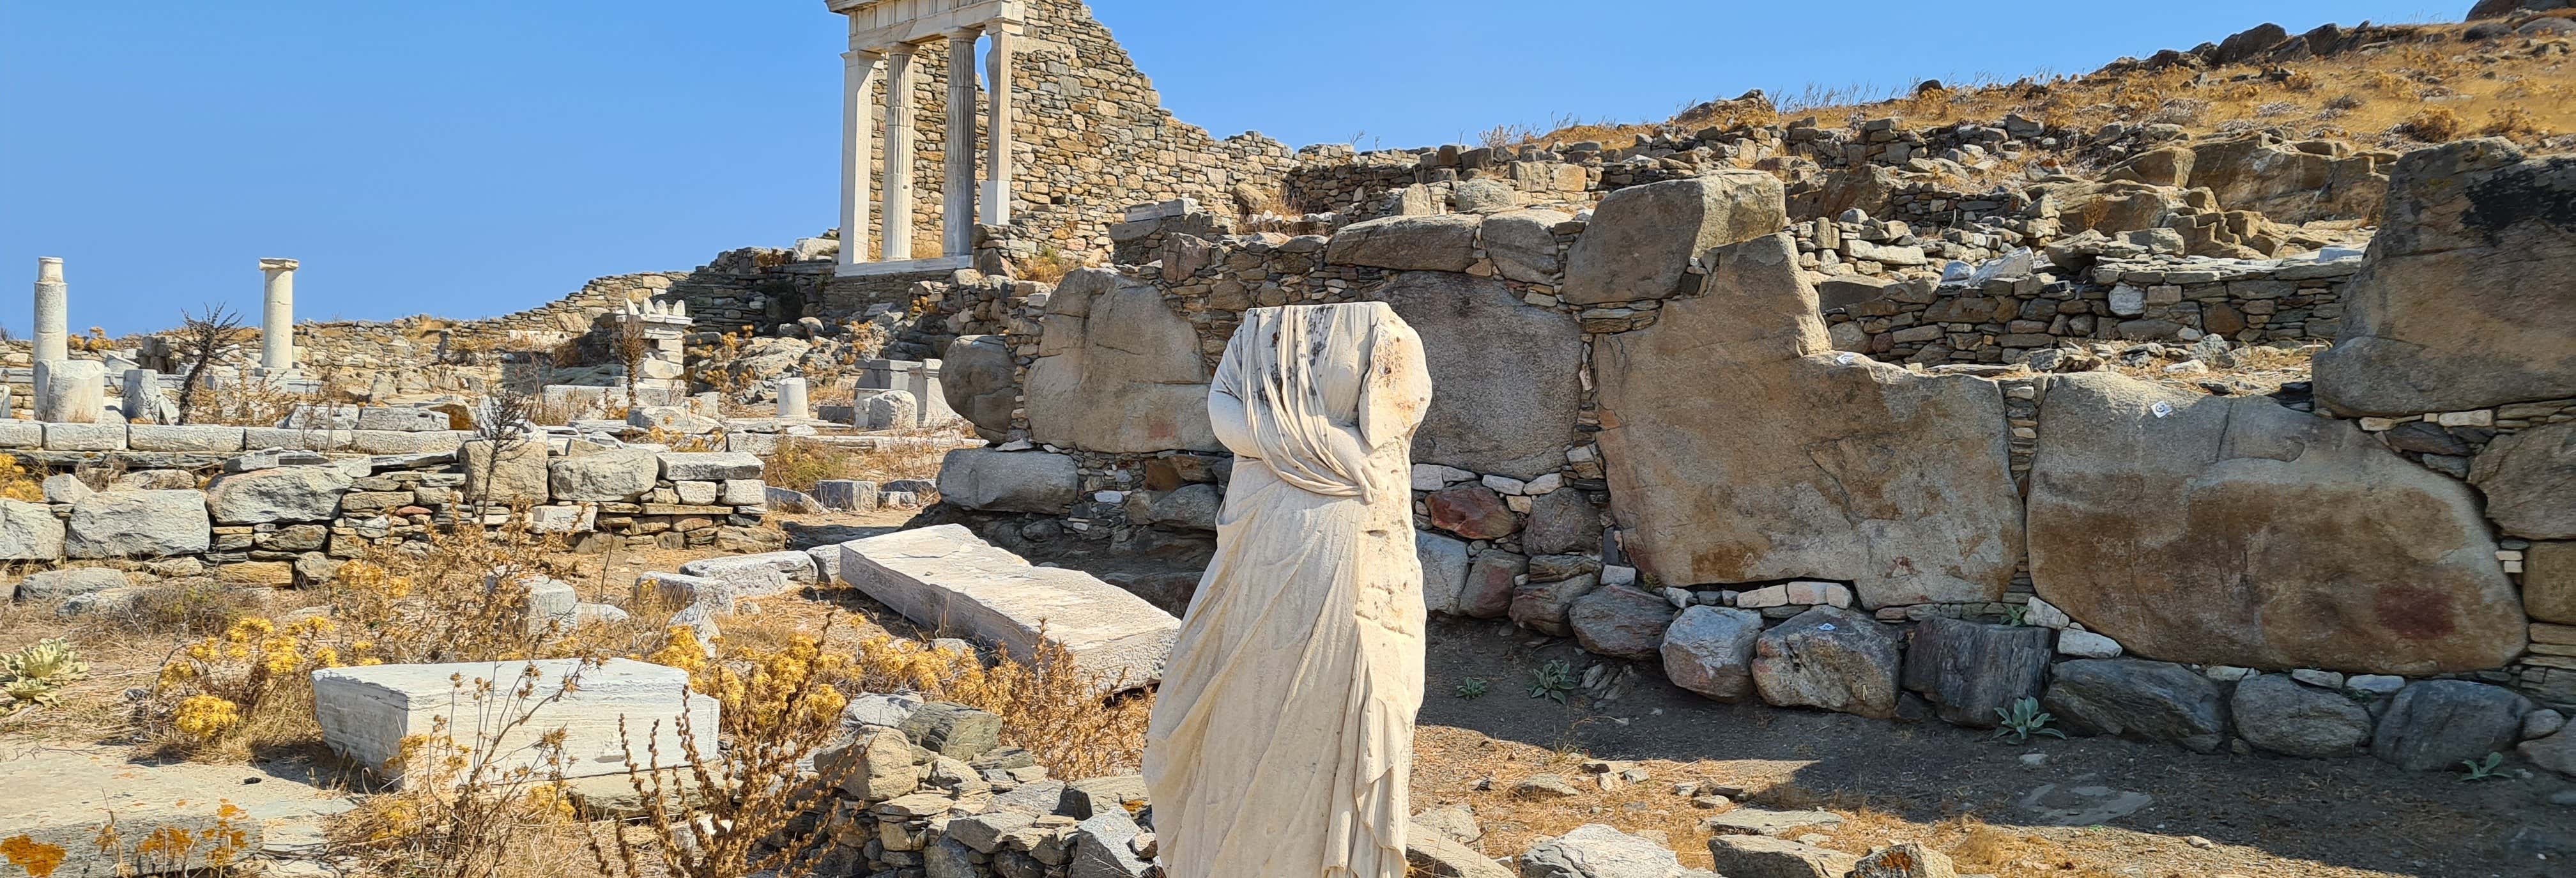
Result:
x=286 y=493
x=1444 y=570
x=2549 y=582
x=2133 y=698
x=516 y=475
x=605 y=474
x=1642 y=239
x=1761 y=856
x=1506 y=373
x=29 y=532
x=1620 y=622
x=2261 y=172
x=1522 y=244
x=1740 y=448
x=2278 y=714
x=1828 y=657
x=2468 y=296
x=980 y=379
x=1117 y=370
x=1709 y=650
x=2437 y=724
x=1970 y=670
x=1560 y=521
x=139 y=524
x=2529 y=479
x=1439 y=242
x=1597 y=851
x=1010 y=481
x=2233 y=531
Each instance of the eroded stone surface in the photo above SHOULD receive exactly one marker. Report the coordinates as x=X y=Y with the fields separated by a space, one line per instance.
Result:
x=1642 y=239
x=1507 y=374
x=1800 y=463
x=1117 y=370
x=945 y=578
x=2233 y=531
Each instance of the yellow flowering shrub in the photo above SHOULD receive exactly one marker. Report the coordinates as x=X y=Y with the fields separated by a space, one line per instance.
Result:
x=16 y=483
x=255 y=666
x=1075 y=722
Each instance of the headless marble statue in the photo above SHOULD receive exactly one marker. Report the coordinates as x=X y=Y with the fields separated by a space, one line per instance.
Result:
x=1282 y=740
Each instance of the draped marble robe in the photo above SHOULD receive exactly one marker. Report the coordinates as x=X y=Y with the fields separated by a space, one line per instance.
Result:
x=1282 y=739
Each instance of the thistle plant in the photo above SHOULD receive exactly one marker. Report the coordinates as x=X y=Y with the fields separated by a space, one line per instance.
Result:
x=1552 y=681
x=2024 y=719
x=1471 y=689
x=36 y=674
x=2483 y=769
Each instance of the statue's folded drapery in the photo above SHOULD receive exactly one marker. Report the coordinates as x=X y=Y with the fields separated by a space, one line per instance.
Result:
x=1283 y=738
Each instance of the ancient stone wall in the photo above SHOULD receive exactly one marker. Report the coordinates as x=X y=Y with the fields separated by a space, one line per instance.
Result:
x=1697 y=359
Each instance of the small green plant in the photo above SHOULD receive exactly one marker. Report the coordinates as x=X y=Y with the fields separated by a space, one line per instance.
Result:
x=2024 y=719
x=1473 y=688
x=1552 y=681
x=2483 y=769
x=2017 y=615
x=36 y=674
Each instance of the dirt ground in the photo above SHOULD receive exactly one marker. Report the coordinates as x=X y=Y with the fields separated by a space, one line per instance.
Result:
x=1958 y=790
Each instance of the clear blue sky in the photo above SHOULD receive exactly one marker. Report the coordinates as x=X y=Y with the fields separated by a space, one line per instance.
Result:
x=474 y=157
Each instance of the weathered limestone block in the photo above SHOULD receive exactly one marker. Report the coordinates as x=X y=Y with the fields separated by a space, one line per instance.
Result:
x=1444 y=571
x=1620 y=622
x=2549 y=582
x=2468 y=296
x=286 y=493
x=157 y=437
x=138 y=524
x=945 y=578
x=51 y=585
x=416 y=420
x=1642 y=238
x=2529 y=479
x=1439 y=242
x=2133 y=698
x=1831 y=658
x=314 y=439
x=756 y=575
x=2233 y=531
x=366 y=712
x=1491 y=578
x=71 y=391
x=1969 y=670
x=1506 y=373
x=1761 y=856
x=1432 y=855
x=1709 y=650
x=1010 y=481
x=981 y=382
x=886 y=410
x=1522 y=244
x=84 y=437
x=1597 y=851
x=1117 y=370
x=406 y=441
x=2259 y=172
x=846 y=494
x=61 y=798
x=608 y=474
x=2434 y=725
x=1801 y=463
x=29 y=532
x=2275 y=713
x=21 y=434
x=709 y=466
x=518 y=475
x=1561 y=521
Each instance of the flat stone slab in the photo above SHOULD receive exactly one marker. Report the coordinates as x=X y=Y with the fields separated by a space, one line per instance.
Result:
x=60 y=798
x=1764 y=821
x=366 y=712
x=2054 y=805
x=946 y=579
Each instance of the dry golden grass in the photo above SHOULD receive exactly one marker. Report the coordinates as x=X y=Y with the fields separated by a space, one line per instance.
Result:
x=2361 y=96
x=798 y=463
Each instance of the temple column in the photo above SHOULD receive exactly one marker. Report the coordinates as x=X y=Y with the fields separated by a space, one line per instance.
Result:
x=997 y=127
x=858 y=129
x=896 y=239
x=277 y=316
x=957 y=181
x=53 y=321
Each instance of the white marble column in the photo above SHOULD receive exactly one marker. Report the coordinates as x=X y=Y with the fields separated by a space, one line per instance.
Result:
x=277 y=315
x=53 y=321
x=897 y=186
x=859 y=125
x=997 y=125
x=957 y=181
x=791 y=399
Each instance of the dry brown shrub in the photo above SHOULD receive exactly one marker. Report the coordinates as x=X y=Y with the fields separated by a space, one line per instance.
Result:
x=18 y=484
x=1048 y=266
x=2513 y=122
x=1073 y=721
x=2434 y=125
x=739 y=810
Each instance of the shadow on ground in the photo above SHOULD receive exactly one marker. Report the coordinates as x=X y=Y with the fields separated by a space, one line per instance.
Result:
x=2356 y=812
